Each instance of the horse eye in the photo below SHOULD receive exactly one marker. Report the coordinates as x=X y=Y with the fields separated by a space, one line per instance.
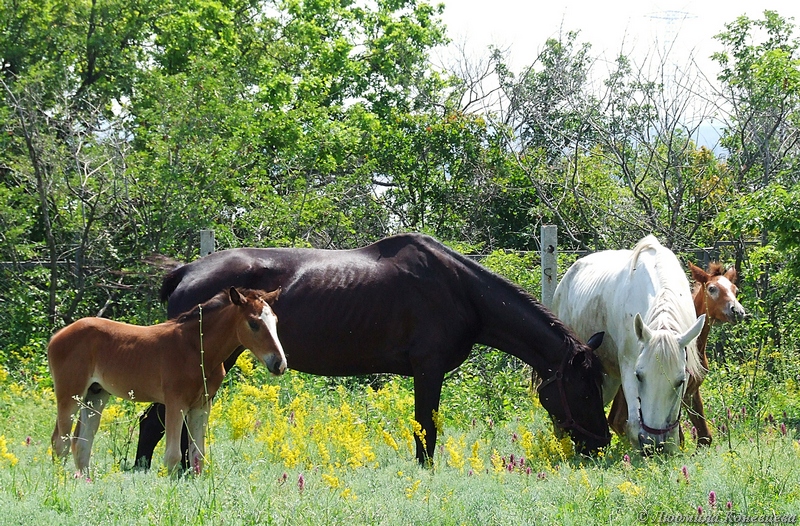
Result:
x=712 y=289
x=639 y=376
x=254 y=325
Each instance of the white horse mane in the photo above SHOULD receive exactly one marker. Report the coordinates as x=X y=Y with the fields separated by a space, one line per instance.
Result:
x=665 y=311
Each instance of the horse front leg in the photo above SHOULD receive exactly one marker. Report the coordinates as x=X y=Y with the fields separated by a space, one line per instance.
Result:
x=697 y=414
x=173 y=423
x=197 y=423
x=427 y=392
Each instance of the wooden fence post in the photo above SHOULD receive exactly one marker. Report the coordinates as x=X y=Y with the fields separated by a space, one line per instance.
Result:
x=206 y=242
x=549 y=249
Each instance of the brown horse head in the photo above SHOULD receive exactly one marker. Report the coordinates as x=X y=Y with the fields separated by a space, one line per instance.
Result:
x=258 y=329
x=573 y=394
x=715 y=293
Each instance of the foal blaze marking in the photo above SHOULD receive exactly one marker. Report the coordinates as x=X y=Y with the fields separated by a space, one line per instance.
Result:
x=178 y=363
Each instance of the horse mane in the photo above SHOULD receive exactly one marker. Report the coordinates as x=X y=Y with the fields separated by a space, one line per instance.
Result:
x=665 y=312
x=171 y=282
x=221 y=299
x=571 y=340
x=715 y=268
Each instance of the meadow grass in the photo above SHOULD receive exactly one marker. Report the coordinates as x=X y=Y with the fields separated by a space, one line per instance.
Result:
x=306 y=450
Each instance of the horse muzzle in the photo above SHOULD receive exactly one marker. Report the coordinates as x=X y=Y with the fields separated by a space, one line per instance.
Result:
x=275 y=364
x=735 y=313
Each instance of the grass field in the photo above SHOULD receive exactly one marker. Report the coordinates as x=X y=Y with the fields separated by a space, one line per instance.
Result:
x=307 y=450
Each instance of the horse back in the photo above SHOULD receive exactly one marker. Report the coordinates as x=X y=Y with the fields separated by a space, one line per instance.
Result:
x=347 y=312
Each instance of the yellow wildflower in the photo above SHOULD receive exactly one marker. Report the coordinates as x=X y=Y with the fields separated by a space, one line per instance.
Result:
x=245 y=363
x=454 y=450
x=347 y=493
x=5 y=454
x=630 y=489
x=112 y=414
x=331 y=480
x=475 y=460
x=438 y=421
x=497 y=462
x=389 y=440
x=411 y=490
x=241 y=417
x=418 y=432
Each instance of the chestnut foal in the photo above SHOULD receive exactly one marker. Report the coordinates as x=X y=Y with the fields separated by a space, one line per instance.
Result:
x=177 y=363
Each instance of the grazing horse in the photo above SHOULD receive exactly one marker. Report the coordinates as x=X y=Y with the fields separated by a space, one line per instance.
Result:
x=714 y=295
x=406 y=305
x=177 y=363
x=652 y=358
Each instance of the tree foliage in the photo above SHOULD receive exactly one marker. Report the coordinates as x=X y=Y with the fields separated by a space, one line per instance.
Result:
x=126 y=127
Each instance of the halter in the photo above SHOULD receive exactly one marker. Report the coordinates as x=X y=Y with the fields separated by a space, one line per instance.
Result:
x=569 y=423
x=655 y=431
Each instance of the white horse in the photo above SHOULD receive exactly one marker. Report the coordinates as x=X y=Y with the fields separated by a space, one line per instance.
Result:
x=650 y=358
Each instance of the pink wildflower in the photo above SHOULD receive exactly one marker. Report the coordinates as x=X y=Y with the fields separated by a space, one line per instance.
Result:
x=712 y=499
x=301 y=482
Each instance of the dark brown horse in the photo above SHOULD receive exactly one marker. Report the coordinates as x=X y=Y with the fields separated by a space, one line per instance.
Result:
x=405 y=305
x=714 y=295
x=177 y=363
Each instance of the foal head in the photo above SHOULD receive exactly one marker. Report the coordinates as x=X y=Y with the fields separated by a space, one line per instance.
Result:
x=257 y=327
x=719 y=293
x=662 y=372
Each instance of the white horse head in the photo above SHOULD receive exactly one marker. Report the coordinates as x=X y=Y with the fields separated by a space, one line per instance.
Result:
x=642 y=300
x=662 y=371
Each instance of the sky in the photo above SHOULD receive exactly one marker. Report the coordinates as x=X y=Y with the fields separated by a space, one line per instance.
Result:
x=524 y=25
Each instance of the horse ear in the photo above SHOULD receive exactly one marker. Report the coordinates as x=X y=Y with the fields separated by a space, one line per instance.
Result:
x=732 y=275
x=693 y=332
x=236 y=297
x=272 y=297
x=698 y=274
x=596 y=340
x=643 y=332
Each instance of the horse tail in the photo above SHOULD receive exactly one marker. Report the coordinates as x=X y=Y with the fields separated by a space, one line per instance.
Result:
x=646 y=242
x=171 y=282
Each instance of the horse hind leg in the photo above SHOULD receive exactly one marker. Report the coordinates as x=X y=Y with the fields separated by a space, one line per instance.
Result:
x=88 y=423
x=67 y=406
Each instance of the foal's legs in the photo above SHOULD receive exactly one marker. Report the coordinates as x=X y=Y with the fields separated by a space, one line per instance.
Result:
x=62 y=434
x=151 y=431
x=698 y=416
x=173 y=423
x=197 y=423
x=85 y=430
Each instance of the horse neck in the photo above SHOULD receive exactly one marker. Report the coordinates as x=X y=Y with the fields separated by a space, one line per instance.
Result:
x=514 y=323
x=214 y=334
x=700 y=308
